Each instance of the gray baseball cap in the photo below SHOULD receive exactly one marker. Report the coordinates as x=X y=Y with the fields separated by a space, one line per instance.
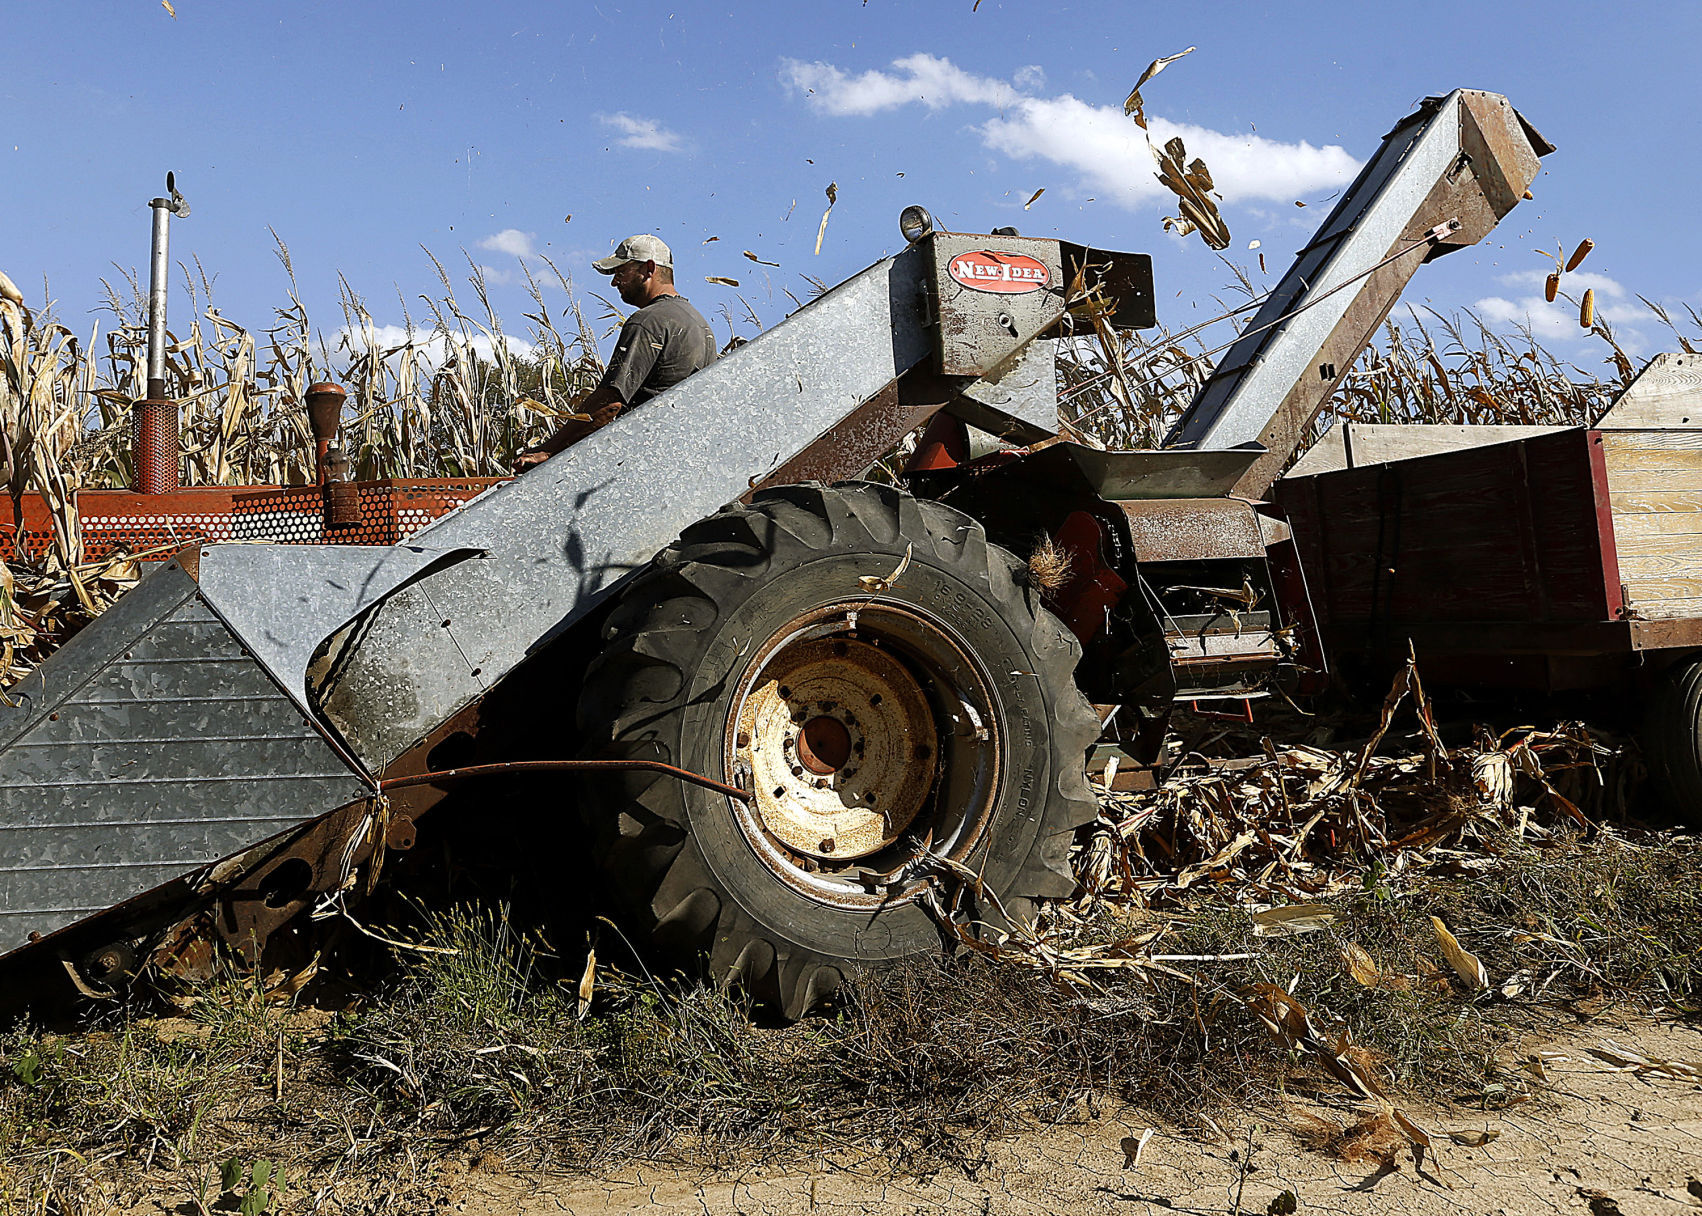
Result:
x=640 y=248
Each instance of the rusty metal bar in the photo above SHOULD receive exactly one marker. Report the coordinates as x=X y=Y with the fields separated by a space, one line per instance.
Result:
x=556 y=766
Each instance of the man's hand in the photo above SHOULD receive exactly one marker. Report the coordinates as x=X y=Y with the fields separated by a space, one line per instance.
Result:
x=527 y=460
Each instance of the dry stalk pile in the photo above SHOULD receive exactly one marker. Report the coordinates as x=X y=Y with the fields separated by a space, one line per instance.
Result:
x=1192 y=885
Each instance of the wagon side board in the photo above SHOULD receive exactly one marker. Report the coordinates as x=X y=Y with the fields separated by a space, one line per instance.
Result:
x=1540 y=562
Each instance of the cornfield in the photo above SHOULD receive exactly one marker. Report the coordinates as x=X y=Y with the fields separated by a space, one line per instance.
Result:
x=460 y=396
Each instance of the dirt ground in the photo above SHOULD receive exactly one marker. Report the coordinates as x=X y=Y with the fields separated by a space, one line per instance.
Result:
x=1602 y=1141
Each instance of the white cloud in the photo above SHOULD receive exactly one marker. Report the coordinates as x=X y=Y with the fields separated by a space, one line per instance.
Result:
x=1110 y=153
x=1099 y=143
x=641 y=132
x=1575 y=284
x=932 y=81
x=511 y=241
x=1558 y=322
x=435 y=347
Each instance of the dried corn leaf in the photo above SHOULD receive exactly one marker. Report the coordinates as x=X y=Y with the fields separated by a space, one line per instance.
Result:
x=1291 y=920
x=1623 y=1059
x=1360 y=965
x=1290 y=1022
x=1475 y=1139
x=1133 y=106
x=875 y=584
x=832 y=198
x=1463 y=961
x=1133 y=1147
x=587 y=982
x=1192 y=185
x=1032 y=197
x=1419 y=1137
x=1492 y=774
x=721 y=279
x=758 y=260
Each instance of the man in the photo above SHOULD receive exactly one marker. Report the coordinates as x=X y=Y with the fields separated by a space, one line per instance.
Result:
x=661 y=344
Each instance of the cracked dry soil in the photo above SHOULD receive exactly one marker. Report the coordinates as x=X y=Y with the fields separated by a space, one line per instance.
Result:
x=1598 y=1141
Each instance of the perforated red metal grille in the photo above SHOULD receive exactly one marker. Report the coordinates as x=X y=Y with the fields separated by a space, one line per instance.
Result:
x=155 y=441
x=115 y=521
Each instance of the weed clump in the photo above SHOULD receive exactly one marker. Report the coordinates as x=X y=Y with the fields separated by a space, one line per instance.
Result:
x=484 y=1036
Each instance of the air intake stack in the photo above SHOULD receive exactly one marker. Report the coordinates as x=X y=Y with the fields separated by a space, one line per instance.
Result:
x=155 y=428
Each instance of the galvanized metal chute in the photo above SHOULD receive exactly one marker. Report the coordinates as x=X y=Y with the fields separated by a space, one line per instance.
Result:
x=1442 y=179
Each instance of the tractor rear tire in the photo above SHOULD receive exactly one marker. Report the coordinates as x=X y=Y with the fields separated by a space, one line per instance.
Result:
x=1672 y=739
x=891 y=691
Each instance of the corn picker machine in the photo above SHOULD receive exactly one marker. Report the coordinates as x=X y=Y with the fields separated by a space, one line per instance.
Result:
x=771 y=703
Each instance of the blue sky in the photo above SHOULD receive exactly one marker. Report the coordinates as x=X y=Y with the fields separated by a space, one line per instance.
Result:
x=361 y=132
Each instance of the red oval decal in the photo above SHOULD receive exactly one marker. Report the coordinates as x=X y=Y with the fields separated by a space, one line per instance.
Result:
x=1005 y=273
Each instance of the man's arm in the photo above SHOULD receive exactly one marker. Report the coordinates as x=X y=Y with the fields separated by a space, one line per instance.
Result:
x=603 y=405
x=635 y=354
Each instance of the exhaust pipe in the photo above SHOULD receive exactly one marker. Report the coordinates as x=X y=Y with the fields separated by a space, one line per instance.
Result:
x=154 y=439
x=324 y=413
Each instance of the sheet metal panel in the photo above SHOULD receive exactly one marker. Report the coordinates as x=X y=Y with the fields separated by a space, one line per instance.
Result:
x=283 y=601
x=560 y=539
x=151 y=745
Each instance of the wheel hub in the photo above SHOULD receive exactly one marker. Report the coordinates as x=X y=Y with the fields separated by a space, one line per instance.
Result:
x=841 y=745
x=824 y=745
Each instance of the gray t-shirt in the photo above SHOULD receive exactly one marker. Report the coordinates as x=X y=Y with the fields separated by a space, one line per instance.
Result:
x=660 y=345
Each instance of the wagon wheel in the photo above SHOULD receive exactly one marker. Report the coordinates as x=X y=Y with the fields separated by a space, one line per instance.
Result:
x=878 y=720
